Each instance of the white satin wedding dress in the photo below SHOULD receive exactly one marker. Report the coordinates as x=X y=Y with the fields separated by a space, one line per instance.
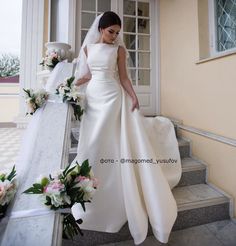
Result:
x=110 y=132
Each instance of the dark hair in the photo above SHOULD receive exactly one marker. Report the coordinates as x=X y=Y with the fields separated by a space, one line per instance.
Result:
x=109 y=18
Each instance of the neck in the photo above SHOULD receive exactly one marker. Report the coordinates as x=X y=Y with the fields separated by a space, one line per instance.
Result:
x=102 y=41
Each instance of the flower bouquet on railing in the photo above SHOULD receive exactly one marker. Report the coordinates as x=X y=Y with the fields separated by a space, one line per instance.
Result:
x=70 y=93
x=72 y=185
x=35 y=99
x=7 y=190
x=50 y=60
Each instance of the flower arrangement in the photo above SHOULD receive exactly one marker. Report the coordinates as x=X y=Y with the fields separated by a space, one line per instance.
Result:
x=69 y=93
x=50 y=60
x=72 y=185
x=7 y=190
x=35 y=99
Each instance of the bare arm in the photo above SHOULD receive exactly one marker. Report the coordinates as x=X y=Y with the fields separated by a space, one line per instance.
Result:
x=124 y=79
x=86 y=77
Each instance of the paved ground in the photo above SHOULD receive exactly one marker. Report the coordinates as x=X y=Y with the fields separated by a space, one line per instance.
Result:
x=9 y=147
x=220 y=233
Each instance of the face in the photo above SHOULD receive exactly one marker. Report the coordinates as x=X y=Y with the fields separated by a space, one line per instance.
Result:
x=110 y=34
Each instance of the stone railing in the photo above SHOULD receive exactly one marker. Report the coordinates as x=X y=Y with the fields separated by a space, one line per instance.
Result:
x=28 y=221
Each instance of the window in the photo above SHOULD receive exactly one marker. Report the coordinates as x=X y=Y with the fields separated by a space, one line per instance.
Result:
x=136 y=31
x=226 y=24
x=222 y=25
x=89 y=11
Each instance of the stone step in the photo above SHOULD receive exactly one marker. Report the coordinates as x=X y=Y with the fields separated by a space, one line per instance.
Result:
x=197 y=204
x=73 y=140
x=193 y=172
x=184 y=147
x=72 y=153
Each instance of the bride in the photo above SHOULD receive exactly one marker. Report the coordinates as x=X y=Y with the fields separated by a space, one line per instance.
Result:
x=135 y=158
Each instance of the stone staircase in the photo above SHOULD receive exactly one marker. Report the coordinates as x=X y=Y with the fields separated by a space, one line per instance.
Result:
x=198 y=201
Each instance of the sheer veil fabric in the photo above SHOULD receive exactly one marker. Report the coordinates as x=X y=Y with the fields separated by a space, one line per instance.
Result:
x=136 y=186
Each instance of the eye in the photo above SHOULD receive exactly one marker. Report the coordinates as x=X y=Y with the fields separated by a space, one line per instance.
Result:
x=110 y=31
x=117 y=33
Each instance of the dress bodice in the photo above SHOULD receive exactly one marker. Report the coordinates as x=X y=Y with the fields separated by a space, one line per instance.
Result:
x=102 y=60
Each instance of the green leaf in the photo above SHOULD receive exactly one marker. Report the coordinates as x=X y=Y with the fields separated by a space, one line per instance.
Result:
x=35 y=189
x=66 y=169
x=64 y=98
x=69 y=170
x=83 y=206
x=12 y=174
x=48 y=201
x=70 y=81
x=85 y=168
x=27 y=91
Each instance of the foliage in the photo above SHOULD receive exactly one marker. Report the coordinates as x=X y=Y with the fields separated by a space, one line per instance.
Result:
x=9 y=65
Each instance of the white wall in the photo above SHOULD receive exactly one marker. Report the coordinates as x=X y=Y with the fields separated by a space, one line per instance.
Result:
x=59 y=20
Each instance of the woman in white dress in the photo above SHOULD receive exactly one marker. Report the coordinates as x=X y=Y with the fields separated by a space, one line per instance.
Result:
x=124 y=148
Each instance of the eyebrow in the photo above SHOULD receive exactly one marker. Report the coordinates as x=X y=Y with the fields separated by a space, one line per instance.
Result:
x=113 y=30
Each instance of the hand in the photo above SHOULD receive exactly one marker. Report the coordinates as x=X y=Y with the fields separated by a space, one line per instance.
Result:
x=135 y=103
x=79 y=82
x=76 y=83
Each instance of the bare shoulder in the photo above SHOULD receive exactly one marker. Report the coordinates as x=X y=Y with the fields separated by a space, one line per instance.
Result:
x=121 y=52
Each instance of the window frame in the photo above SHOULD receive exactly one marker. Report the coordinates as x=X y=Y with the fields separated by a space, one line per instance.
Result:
x=213 y=32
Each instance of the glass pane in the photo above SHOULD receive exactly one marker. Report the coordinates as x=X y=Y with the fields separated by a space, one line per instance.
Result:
x=143 y=42
x=144 y=60
x=83 y=34
x=129 y=24
x=132 y=60
x=129 y=41
x=87 y=20
x=89 y=5
x=132 y=74
x=143 y=9
x=143 y=26
x=129 y=7
x=144 y=77
x=226 y=24
x=104 y=5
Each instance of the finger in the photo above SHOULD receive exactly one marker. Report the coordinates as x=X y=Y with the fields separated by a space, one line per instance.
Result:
x=133 y=107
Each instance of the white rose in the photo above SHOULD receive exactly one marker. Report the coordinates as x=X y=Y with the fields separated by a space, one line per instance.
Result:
x=87 y=187
x=61 y=89
x=56 y=199
x=38 y=101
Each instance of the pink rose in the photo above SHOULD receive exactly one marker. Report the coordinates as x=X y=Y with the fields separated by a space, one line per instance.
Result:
x=95 y=182
x=54 y=187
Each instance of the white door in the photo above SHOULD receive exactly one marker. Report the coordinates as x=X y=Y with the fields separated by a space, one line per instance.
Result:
x=140 y=27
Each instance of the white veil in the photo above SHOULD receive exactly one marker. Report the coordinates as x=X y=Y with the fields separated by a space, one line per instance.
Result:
x=92 y=37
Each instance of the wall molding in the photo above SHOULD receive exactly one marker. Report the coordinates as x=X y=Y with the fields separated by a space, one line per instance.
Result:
x=9 y=94
x=210 y=135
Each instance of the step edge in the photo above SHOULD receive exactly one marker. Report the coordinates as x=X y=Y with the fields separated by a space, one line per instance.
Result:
x=191 y=168
x=184 y=143
x=231 y=199
x=73 y=150
x=202 y=203
x=197 y=165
